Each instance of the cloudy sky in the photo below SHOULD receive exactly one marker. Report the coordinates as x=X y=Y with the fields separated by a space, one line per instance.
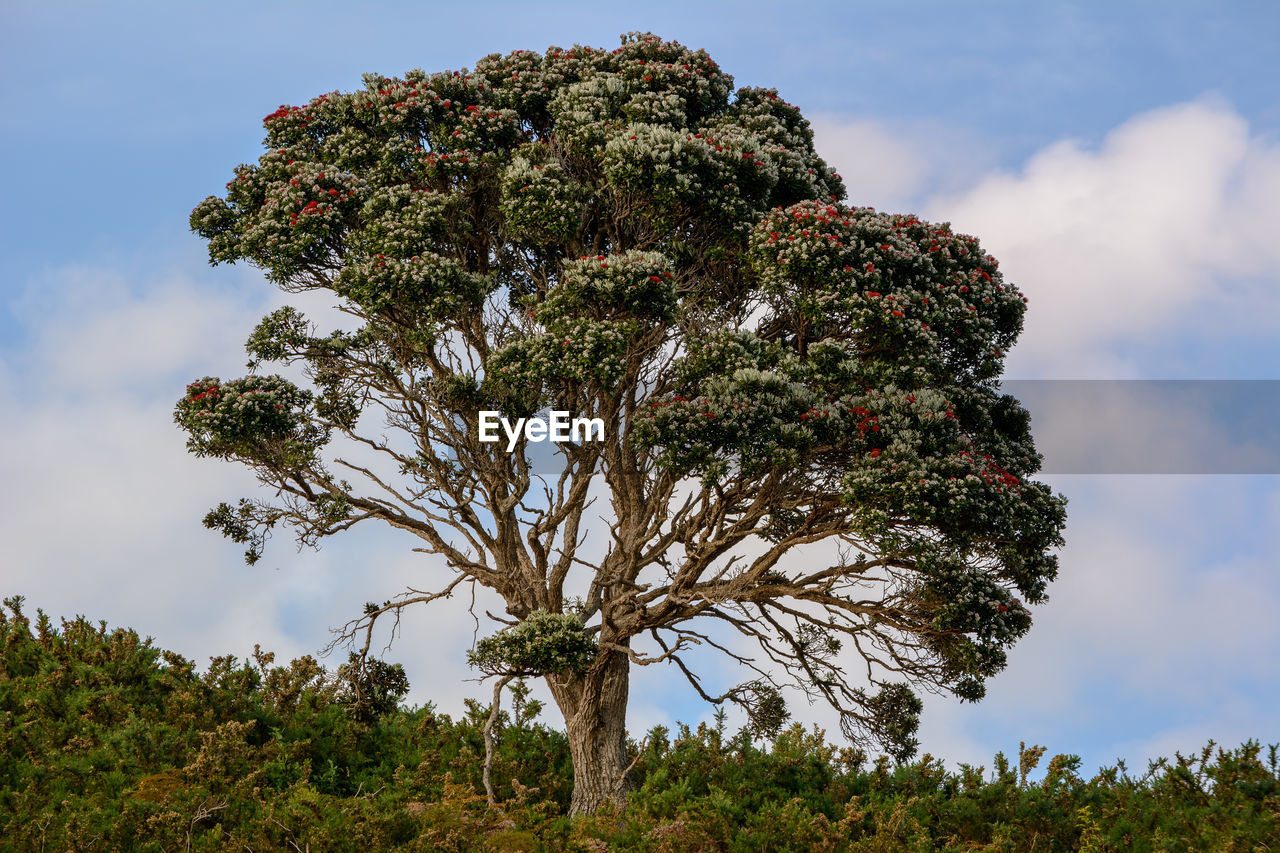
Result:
x=1122 y=160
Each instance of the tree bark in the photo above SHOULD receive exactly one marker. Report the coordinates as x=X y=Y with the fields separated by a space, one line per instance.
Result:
x=595 y=714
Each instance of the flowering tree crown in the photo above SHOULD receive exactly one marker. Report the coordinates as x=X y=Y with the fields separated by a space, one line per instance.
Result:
x=623 y=235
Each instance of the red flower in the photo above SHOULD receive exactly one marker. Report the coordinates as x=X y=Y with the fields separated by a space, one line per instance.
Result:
x=875 y=453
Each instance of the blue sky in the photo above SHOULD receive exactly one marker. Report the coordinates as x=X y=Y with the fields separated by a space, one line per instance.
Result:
x=1121 y=160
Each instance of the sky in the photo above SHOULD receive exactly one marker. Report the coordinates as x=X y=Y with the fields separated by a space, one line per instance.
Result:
x=1122 y=160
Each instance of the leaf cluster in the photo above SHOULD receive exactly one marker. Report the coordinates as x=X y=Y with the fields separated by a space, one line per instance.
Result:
x=539 y=644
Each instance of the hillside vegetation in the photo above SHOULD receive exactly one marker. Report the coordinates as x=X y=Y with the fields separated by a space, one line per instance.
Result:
x=109 y=743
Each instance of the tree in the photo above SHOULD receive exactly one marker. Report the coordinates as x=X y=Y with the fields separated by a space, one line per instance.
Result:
x=621 y=236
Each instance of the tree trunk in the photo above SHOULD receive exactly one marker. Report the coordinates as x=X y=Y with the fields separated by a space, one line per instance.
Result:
x=595 y=715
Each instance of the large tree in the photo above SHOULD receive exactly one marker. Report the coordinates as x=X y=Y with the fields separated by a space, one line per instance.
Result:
x=621 y=235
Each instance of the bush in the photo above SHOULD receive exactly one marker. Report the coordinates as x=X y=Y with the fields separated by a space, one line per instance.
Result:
x=107 y=742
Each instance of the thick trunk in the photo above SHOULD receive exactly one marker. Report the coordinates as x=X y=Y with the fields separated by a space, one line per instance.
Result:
x=595 y=714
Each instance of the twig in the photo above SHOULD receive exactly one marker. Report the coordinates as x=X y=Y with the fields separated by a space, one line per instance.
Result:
x=201 y=813
x=622 y=780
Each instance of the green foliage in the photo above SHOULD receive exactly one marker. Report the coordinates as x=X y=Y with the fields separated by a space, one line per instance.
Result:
x=895 y=717
x=542 y=643
x=110 y=743
x=258 y=419
x=371 y=688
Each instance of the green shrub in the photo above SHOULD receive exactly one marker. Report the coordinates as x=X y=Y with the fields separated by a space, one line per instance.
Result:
x=107 y=742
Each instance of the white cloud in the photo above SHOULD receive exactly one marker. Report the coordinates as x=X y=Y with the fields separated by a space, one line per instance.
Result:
x=1179 y=572
x=1163 y=230
x=98 y=334
x=1161 y=621
x=891 y=166
x=101 y=507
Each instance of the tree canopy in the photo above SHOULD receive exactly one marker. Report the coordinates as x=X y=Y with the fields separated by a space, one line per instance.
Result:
x=622 y=235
